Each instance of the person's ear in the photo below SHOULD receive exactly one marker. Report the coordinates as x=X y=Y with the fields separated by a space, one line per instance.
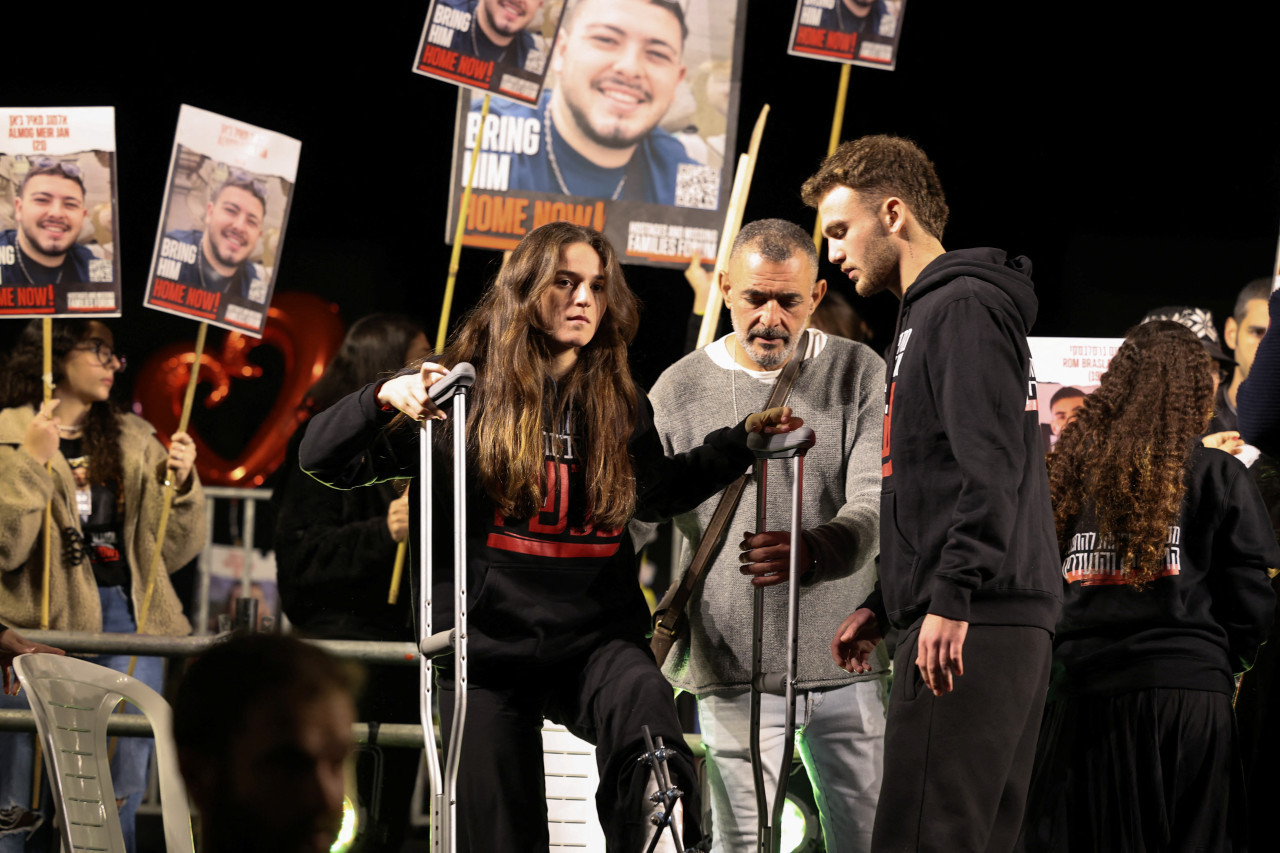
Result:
x=1229 y=332
x=894 y=214
x=818 y=292
x=725 y=286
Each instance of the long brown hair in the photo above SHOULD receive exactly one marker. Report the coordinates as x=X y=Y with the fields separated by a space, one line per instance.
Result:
x=1125 y=455
x=20 y=385
x=506 y=339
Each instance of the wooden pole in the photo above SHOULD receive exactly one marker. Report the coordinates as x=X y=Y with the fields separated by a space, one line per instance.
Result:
x=166 y=505
x=46 y=324
x=398 y=571
x=732 y=222
x=837 y=124
x=170 y=488
x=443 y=329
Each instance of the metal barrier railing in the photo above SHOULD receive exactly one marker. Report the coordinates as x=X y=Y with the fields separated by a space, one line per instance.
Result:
x=131 y=725
x=247 y=529
x=135 y=725
x=77 y=642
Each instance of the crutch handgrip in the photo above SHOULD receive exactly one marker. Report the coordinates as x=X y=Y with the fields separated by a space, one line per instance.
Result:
x=438 y=643
x=462 y=376
x=783 y=445
x=773 y=683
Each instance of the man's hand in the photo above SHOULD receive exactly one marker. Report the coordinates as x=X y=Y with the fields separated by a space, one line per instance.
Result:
x=938 y=652
x=773 y=421
x=398 y=518
x=766 y=557
x=408 y=393
x=855 y=640
x=13 y=644
x=1228 y=440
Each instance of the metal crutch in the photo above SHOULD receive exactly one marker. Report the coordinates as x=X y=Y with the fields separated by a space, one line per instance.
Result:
x=452 y=387
x=791 y=445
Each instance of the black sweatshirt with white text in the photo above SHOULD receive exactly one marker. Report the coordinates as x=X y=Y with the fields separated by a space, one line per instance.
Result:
x=1199 y=621
x=966 y=529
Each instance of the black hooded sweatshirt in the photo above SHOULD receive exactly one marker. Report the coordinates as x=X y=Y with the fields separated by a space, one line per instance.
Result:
x=1199 y=621
x=541 y=591
x=966 y=527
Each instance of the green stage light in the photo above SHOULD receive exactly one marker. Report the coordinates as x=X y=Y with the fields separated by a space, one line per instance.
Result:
x=347 y=833
x=801 y=829
x=795 y=830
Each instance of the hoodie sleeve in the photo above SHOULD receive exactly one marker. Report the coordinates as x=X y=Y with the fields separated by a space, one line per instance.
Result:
x=1244 y=548
x=669 y=485
x=347 y=445
x=978 y=369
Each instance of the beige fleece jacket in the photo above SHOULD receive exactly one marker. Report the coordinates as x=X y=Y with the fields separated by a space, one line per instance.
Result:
x=25 y=488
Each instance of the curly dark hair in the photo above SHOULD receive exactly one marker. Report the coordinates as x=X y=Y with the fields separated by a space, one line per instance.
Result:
x=20 y=385
x=879 y=167
x=1125 y=455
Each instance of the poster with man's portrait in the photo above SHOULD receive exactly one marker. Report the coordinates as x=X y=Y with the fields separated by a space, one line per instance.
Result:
x=222 y=228
x=633 y=134
x=58 y=233
x=498 y=46
x=857 y=32
x=1067 y=370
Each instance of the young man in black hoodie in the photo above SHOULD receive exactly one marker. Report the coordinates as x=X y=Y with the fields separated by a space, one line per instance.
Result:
x=970 y=587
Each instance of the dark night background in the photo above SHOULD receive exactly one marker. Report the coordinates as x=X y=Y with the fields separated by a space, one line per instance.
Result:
x=1129 y=149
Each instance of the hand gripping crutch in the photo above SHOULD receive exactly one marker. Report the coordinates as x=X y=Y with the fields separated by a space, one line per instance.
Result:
x=452 y=387
x=791 y=445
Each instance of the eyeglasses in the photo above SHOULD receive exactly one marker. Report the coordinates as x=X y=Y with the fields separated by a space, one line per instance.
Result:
x=103 y=351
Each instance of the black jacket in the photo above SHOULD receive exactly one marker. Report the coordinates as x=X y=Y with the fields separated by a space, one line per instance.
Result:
x=1191 y=628
x=334 y=557
x=966 y=529
x=543 y=590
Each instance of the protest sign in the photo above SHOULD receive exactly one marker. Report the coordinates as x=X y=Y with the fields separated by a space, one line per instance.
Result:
x=858 y=32
x=498 y=46
x=1067 y=370
x=222 y=228
x=632 y=135
x=58 y=233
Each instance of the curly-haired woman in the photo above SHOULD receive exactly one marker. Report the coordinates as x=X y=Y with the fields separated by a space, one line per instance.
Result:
x=1165 y=546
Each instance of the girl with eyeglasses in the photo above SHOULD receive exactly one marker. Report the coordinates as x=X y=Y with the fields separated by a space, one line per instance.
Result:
x=103 y=472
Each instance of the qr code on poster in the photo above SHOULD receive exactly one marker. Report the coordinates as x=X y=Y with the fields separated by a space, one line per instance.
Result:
x=698 y=186
x=99 y=270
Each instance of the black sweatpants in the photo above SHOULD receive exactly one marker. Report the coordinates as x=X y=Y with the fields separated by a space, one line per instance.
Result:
x=605 y=699
x=957 y=766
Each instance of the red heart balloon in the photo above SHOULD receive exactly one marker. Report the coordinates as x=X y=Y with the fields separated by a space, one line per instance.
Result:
x=305 y=328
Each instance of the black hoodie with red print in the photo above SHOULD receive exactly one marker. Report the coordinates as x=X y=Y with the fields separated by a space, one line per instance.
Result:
x=966 y=528
x=543 y=590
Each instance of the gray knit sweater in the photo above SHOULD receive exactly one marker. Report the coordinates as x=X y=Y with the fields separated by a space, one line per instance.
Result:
x=840 y=394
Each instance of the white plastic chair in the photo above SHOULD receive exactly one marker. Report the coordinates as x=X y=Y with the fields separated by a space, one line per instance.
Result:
x=71 y=700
